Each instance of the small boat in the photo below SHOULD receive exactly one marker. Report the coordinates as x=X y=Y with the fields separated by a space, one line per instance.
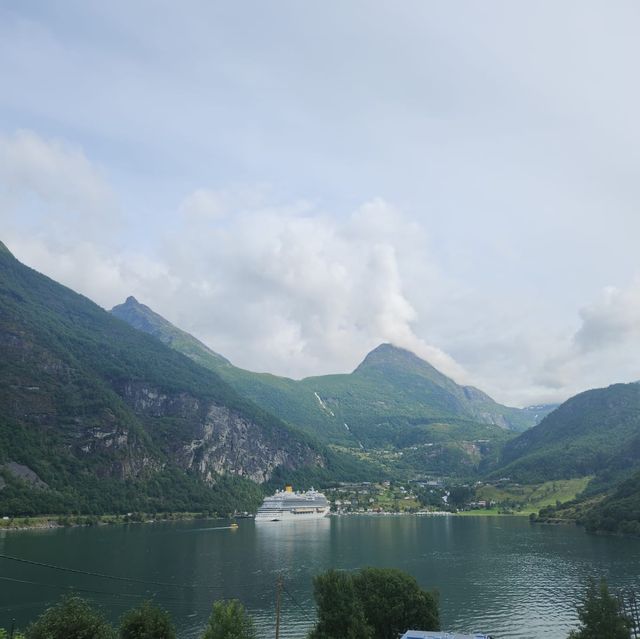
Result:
x=234 y=526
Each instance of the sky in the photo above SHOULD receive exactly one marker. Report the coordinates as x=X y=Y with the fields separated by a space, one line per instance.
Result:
x=297 y=182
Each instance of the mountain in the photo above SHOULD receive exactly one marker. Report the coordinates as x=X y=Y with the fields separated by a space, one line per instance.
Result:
x=392 y=381
x=617 y=513
x=594 y=433
x=393 y=399
x=615 y=510
x=144 y=319
x=96 y=416
x=390 y=385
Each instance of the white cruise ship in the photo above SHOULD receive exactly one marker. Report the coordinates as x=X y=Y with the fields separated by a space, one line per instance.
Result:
x=287 y=505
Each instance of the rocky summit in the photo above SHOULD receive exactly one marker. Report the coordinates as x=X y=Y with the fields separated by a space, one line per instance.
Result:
x=102 y=417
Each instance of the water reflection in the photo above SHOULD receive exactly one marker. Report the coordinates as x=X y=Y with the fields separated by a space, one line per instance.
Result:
x=500 y=575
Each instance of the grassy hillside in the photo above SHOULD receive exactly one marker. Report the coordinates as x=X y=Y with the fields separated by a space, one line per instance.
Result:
x=530 y=498
x=619 y=512
x=142 y=318
x=393 y=399
x=105 y=418
x=594 y=433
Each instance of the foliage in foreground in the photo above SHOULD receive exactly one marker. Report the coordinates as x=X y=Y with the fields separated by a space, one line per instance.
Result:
x=147 y=622
x=373 y=603
x=601 y=615
x=340 y=612
x=229 y=620
x=72 y=618
x=75 y=618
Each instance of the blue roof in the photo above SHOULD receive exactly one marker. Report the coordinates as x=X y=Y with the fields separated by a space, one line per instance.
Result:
x=439 y=634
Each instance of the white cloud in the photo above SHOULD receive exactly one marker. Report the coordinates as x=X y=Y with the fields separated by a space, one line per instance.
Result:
x=295 y=290
x=288 y=289
x=613 y=321
x=301 y=291
x=604 y=349
x=50 y=188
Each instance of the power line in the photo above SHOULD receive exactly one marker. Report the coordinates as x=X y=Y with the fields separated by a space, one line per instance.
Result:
x=295 y=601
x=163 y=600
x=88 y=590
x=115 y=595
x=114 y=577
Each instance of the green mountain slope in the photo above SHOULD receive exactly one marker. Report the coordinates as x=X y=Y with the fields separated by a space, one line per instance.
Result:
x=619 y=512
x=593 y=433
x=144 y=319
x=391 y=391
x=392 y=400
x=615 y=510
x=96 y=416
x=278 y=395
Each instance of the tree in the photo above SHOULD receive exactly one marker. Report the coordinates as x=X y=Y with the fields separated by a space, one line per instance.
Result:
x=600 y=615
x=393 y=602
x=460 y=495
x=72 y=618
x=229 y=620
x=147 y=622
x=373 y=603
x=340 y=613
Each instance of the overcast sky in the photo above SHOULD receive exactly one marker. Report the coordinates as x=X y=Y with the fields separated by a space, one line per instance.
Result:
x=296 y=182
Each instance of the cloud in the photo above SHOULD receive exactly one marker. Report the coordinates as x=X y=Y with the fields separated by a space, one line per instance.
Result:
x=60 y=215
x=612 y=321
x=285 y=288
x=604 y=349
x=208 y=204
x=294 y=289
x=301 y=290
x=60 y=190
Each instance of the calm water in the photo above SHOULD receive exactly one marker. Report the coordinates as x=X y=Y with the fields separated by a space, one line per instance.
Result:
x=498 y=575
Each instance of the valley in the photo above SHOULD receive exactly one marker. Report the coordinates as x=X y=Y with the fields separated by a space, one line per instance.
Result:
x=124 y=412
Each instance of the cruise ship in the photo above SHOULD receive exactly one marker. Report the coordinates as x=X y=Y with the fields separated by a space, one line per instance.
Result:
x=287 y=505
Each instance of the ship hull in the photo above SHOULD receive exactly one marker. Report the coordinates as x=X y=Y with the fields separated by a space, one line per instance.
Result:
x=288 y=515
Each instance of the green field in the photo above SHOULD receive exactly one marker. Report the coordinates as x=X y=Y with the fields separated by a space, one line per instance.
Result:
x=524 y=499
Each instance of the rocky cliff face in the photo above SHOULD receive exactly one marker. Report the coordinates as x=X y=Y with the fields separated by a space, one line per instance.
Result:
x=216 y=440
x=109 y=418
x=227 y=442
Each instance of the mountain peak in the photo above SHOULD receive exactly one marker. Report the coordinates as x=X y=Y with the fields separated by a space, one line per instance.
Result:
x=147 y=320
x=387 y=354
x=4 y=249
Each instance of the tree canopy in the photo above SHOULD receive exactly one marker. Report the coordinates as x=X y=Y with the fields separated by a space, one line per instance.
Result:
x=147 y=621
x=340 y=611
x=229 y=620
x=72 y=618
x=600 y=615
x=373 y=603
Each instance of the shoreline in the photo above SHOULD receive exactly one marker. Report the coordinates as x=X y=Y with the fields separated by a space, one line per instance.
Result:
x=55 y=522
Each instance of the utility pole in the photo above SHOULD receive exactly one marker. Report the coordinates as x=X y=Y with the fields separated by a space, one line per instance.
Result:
x=635 y=617
x=279 y=585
